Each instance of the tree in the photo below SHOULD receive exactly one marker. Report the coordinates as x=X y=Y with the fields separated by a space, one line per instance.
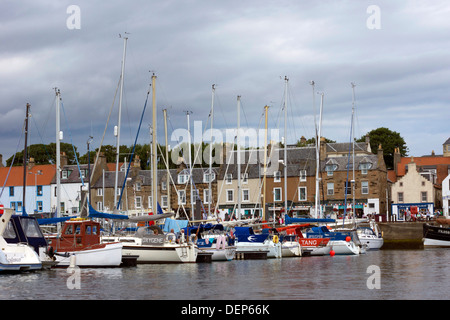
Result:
x=44 y=154
x=302 y=142
x=389 y=140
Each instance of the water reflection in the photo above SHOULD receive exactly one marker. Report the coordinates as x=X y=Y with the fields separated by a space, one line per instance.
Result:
x=408 y=274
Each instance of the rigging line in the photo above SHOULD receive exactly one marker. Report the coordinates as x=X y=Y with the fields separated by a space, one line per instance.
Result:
x=171 y=180
x=42 y=141
x=14 y=157
x=132 y=153
x=71 y=142
x=104 y=132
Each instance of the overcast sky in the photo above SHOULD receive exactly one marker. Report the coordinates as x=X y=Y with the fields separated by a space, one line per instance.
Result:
x=396 y=52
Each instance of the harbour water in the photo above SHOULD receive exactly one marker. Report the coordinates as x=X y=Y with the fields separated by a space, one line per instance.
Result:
x=384 y=274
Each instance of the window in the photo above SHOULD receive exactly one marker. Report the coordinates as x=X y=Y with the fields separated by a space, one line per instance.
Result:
x=183 y=177
x=277 y=176
x=11 y=191
x=302 y=175
x=39 y=191
x=245 y=195
x=99 y=205
x=302 y=194
x=99 y=192
x=39 y=206
x=400 y=197
x=138 y=186
x=364 y=187
x=163 y=185
x=228 y=178
x=208 y=176
x=364 y=167
x=138 y=202
x=423 y=196
x=164 y=202
x=230 y=195
x=63 y=207
x=206 y=196
x=181 y=197
x=330 y=188
x=118 y=192
x=277 y=194
x=330 y=168
x=150 y=202
x=348 y=187
x=19 y=206
x=64 y=174
x=194 y=196
x=12 y=205
x=245 y=178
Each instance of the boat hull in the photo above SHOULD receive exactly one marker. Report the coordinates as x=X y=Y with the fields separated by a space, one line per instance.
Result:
x=226 y=254
x=372 y=243
x=344 y=247
x=162 y=254
x=291 y=249
x=109 y=255
x=18 y=257
x=315 y=247
x=436 y=236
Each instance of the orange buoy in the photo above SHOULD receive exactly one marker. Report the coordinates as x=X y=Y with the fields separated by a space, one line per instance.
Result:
x=332 y=253
x=348 y=239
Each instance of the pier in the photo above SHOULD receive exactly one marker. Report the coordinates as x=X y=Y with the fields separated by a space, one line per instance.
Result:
x=402 y=235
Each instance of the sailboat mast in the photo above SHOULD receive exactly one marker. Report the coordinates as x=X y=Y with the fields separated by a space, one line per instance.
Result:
x=155 y=151
x=238 y=157
x=169 y=208
x=119 y=121
x=318 y=135
x=266 y=108
x=210 y=150
x=58 y=158
x=190 y=165
x=285 y=147
x=25 y=156
x=353 y=151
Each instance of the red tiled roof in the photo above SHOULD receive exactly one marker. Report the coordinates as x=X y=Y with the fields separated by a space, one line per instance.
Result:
x=440 y=162
x=16 y=175
x=391 y=176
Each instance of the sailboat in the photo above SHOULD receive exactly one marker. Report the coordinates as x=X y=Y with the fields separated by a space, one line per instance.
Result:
x=15 y=256
x=352 y=244
x=150 y=244
x=24 y=228
x=79 y=242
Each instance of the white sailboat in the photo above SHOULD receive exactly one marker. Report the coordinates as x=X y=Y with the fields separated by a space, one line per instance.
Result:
x=148 y=246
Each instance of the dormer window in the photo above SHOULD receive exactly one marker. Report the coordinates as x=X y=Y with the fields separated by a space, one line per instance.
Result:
x=365 y=167
x=209 y=176
x=330 y=167
x=64 y=174
x=183 y=177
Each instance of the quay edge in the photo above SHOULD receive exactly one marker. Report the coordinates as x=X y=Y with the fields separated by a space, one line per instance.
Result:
x=402 y=235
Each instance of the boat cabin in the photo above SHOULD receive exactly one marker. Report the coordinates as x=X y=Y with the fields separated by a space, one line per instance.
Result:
x=25 y=229
x=78 y=234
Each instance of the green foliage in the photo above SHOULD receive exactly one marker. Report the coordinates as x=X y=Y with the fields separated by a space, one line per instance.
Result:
x=44 y=154
x=389 y=140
